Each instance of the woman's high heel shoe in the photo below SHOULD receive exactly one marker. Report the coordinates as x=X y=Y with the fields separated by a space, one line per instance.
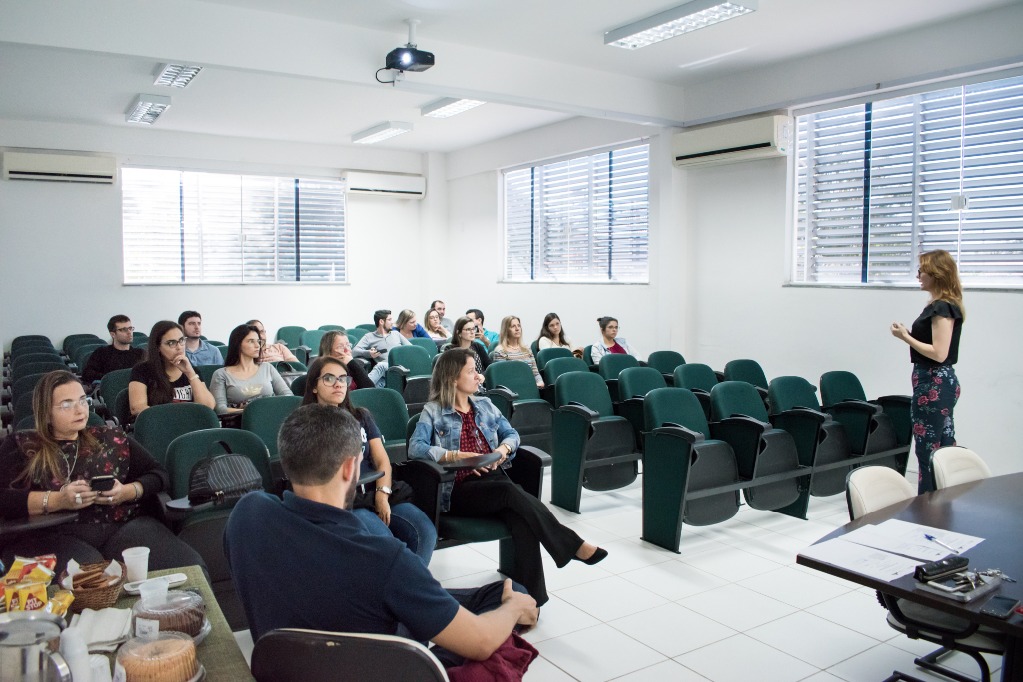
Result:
x=598 y=555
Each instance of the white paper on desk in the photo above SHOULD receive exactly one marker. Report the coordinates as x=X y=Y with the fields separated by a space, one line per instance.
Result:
x=913 y=545
x=103 y=630
x=914 y=533
x=861 y=559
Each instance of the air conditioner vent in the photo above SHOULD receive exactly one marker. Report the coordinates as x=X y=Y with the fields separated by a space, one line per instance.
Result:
x=57 y=167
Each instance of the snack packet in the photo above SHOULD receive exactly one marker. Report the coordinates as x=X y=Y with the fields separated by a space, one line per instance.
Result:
x=25 y=596
x=60 y=602
x=22 y=566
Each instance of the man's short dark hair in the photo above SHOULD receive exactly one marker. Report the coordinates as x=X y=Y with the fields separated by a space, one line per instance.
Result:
x=314 y=442
x=187 y=315
x=116 y=320
x=477 y=312
x=433 y=306
x=379 y=316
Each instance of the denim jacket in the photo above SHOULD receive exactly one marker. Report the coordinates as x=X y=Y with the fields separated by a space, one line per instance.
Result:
x=440 y=430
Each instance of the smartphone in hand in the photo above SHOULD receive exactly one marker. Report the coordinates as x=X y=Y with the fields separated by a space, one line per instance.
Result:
x=102 y=484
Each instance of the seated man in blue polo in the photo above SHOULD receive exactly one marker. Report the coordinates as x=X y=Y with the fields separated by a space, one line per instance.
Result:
x=308 y=562
x=197 y=349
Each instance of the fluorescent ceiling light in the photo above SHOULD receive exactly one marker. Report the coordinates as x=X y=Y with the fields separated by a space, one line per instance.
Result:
x=449 y=106
x=147 y=108
x=176 y=75
x=674 y=22
x=382 y=131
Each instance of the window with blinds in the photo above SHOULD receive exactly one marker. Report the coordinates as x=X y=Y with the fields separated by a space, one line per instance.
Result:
x=190 y=227
x=878 y=183
x=584 y=219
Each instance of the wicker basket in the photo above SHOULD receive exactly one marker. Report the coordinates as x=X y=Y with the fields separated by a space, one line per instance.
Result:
x=100 y=597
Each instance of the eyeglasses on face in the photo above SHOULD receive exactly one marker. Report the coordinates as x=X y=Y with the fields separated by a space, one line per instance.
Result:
x=174 y=343
x=254 y=342
x=331 y=379
x=68 y=405
x=125 y=329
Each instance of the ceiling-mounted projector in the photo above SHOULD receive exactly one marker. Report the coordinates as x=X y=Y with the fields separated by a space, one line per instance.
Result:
x=409 y=58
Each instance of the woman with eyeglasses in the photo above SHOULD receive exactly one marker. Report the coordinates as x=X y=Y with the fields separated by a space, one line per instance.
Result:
x=384 y=505
x=64 y=465
x=933 y=341
x=610 y=342
x=434 y=328
x=166 y=375
x=335 y=344
x=458 y=425
x=464 y=336
x=272 y=352
x=243 y=377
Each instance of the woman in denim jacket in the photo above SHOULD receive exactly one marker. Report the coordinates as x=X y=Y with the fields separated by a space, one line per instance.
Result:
x=456 y=425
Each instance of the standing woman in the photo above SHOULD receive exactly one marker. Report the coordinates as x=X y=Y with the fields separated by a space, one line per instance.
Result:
x=385 y=506
x=243 y=377
x=434 y=328
x=457 y=425
x=166 y=375
x=511 y=348
x=609 y=341
x=934 y=349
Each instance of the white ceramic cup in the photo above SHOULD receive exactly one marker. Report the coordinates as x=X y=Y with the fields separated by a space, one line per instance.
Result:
x=136 y=559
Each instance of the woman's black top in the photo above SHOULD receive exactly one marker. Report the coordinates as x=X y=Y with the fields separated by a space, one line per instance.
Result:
x=921 y=331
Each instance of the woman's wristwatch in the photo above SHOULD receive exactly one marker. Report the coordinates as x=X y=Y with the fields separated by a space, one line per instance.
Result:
x=386 y=490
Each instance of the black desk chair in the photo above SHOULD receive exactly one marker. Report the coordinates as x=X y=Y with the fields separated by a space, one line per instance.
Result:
x=869 y=489
x=290 y=655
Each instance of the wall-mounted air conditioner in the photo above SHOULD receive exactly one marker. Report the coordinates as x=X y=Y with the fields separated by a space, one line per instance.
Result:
x=743 y=140
x=59 y=167
x=385 y=184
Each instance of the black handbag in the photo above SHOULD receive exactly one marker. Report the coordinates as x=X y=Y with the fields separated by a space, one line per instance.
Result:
x=222 y=479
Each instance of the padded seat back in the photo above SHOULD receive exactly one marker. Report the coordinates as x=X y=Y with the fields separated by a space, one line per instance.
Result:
x=585 y=388
x=612 y=364
x=746 y=370
x=429 y=345
x=206 y=372
x=665 y=361
x=354 y=334
x=390 y=414
x=413 y=358
x=695 y=375
x=113 y=383
x=674 y=406
x=788 y=392
x=30 y=368
x=331 y=328
x=516 y=376
x=838 y=386
x=310 y=338
x=30 y=340
x=290 y=335
x=157 y=426
x=264 y=417
x=555 y=367
x=185 y=451
x=72 y=341
x=545 y=355
x=868 y=489
x=736 y=397
x=639 y=381
x=31 y=356
x=954 y=465
x=25 y=385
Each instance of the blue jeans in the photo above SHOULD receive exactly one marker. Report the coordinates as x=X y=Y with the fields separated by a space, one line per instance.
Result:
x=409 y=524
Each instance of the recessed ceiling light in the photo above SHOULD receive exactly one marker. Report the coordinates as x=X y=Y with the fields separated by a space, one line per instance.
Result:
x=147 y=108
x=382 y=131
x=449 y=106
x=674 y=22
x=175 y=75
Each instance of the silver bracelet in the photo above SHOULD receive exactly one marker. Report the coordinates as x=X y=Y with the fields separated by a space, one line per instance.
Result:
x=46 y=502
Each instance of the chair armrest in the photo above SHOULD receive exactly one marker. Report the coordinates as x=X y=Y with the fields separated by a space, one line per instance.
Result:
x=800 y=413
x=502 y=399
x=746 y=420
x=580 y=410
x=762 y=391
x=426 y=478
x=504 y=392
x=527 y=469
x=401 y=370
x=720 y=375
x=854 y=406
x=167 y=513
x=670 y=428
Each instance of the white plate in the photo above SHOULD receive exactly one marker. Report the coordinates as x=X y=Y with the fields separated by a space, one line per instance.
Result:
x=173 y=580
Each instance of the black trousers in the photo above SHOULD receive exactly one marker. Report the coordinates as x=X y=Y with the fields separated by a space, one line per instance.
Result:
x=94 y=542
x=477 y=600
x=532 y=524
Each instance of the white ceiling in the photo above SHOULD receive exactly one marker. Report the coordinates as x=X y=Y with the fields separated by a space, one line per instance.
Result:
x=302 y=70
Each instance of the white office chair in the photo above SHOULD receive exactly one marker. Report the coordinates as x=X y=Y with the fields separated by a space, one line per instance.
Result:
x=868 y=489
x=954 y=465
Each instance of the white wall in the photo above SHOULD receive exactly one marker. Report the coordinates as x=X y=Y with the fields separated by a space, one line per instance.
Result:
x=61 y=262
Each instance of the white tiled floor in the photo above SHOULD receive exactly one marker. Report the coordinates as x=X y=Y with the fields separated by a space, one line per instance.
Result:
x=732 y=606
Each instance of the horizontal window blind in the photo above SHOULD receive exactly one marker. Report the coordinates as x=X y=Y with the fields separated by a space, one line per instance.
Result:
x=191 y=227
x=878 y=183
x=583 y=219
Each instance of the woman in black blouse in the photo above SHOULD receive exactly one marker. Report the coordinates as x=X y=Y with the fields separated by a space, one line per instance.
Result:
x=50 y=469
x=166 y=375
x=934 y=349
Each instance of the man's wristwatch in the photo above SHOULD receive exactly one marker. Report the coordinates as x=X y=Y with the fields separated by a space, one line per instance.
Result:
x=384 y=489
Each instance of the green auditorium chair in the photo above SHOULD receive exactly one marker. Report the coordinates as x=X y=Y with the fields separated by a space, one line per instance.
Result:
x=699 y=379
x=739 y=418
x=511 y=386
x=633 y=385
x=391 y=416
x=592 y=447
x=429 y=345
x=545 y=355
x=749 y=371
x=682 y=464
x=408 y=372
x=872 y=426
x=158 y=425
x=611 y=365
x=264 y=417
x=290 y=336
x=331 y=328
x=665 y=362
